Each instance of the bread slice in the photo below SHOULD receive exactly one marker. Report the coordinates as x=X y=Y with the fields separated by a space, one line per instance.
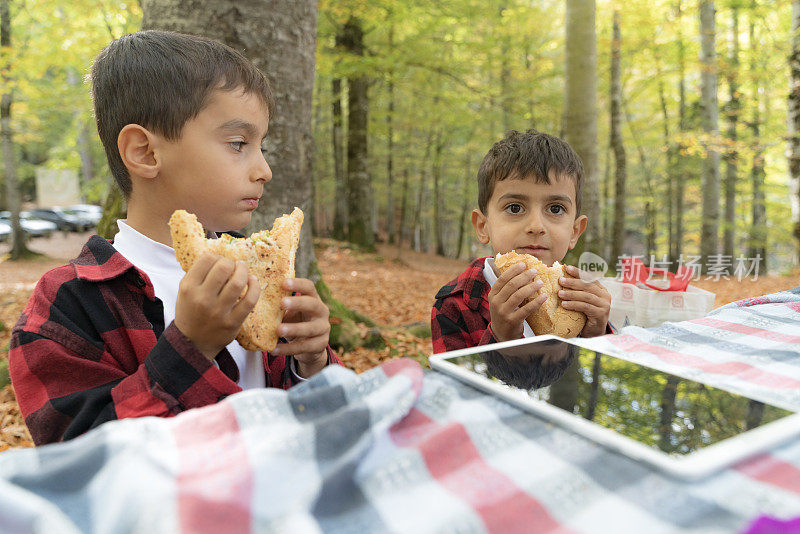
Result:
x=551 y=317
x=270 y=256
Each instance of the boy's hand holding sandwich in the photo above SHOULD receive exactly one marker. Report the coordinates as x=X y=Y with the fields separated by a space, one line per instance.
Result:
x=590 y=298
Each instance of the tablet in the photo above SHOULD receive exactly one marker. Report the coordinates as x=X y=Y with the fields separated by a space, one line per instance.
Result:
x=683 y=427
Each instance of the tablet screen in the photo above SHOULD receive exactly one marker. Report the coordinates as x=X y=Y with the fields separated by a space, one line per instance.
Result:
x=672 y=414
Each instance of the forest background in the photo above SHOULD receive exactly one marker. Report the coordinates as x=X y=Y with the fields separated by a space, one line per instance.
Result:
x=689 y=148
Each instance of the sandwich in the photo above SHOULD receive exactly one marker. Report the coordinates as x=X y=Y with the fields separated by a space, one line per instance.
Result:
x=269 y=255
x=551 y=317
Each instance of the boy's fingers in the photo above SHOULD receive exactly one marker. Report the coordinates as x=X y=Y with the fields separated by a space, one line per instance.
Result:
x=303 y=346
x=522 y=313
x=219 y=274
x=248 y=302
x=512 y=285
x=309 y=329
x=304 y=286
x=305 y=304
x=199 y=270
x=235 y=285
x=580 y=296
x=527 y=291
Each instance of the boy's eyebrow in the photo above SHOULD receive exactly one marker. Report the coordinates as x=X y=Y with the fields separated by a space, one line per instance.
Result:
x=551 y=198
x=238 y=125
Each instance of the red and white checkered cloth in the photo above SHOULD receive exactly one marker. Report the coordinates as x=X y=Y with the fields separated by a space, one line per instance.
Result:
x=400 y=450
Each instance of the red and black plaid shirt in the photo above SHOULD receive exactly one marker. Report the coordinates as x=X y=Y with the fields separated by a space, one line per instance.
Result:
x=460 y=316
x=91 y=347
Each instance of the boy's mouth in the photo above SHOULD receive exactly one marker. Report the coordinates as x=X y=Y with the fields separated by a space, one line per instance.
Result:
x=534 y=250
x=251 y=203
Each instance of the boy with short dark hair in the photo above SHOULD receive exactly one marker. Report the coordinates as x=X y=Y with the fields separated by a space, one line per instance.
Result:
x=121 y=331
x=529 y=194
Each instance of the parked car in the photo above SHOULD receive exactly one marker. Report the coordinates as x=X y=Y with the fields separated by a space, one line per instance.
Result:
x=65 y=219
x=32 y=226
x=5 y=231
x=89 y=211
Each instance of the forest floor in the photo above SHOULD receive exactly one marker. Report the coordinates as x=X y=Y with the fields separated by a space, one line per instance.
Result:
x=394 y=287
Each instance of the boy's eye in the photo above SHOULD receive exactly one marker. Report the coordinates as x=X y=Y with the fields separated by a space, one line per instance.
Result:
x=514 y=209
x=557 y=209
x=237 y=145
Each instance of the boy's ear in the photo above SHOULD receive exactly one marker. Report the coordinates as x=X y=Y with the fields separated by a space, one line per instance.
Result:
x=479 y=223
x=578 y=227
x=136 y=145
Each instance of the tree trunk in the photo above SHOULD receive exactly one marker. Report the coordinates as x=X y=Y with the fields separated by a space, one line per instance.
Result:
x=670 y=166
x=709 y=235
x=794 y=126
x=668 y=396
x=680 y=183
x=732 y=154
x=591 y=406
x=438 y=233
x=618 y=231
x=259 y=30
x=340 y=206
x=19 y=249
x=580 y=107
x=359 y=207
x=82 y=141
x=466 y=201
x=403 y=208
x=758 y=229
x=390 y=215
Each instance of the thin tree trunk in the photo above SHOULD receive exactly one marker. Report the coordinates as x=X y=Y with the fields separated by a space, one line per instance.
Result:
x=359 y=187
x=758 y=229
x=668 y=395
x=709 y=234
x=794 y=126
x=438 y=233
x=618 y=232
x=670 y=166
x=580 y=107
x=465 y=203
x=340 y=205
x=403 y=207
x=390 y=215
x=506 y=96
x=288 y=58
x=608 y=206
x=591 y=407
x=82 y=139
x=680 y=183
x=19 y=249
x=732 y=154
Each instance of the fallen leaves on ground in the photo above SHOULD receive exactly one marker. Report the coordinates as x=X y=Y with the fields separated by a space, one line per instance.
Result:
x=394 y=287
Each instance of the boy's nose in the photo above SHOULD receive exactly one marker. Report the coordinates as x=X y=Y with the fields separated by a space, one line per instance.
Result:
x=262 y=171
x=535 y=223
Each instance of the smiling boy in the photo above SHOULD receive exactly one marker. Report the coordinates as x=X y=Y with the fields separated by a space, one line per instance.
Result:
x=529 y=191
x=121 y=331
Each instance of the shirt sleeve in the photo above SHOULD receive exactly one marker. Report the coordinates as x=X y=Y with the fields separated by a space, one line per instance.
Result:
x=450 y=327
x=67 y=382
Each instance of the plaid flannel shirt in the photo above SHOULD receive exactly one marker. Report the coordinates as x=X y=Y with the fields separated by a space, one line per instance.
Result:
x=460 y=316
x=91 y=346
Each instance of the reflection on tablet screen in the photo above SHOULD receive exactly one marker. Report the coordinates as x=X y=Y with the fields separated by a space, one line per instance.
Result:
x=675 y=415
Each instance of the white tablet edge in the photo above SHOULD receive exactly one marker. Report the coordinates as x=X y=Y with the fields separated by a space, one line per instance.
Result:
x=696 y=465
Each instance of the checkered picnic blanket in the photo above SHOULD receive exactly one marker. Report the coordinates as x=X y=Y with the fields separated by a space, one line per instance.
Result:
x=397 y=449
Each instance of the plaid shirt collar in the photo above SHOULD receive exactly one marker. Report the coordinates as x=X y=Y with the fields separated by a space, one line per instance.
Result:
x=99 y=261
x=471 y=283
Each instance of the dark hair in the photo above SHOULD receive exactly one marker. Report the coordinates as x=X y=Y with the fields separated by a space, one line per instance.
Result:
x=529 y=154
x=526 y=372
x=161 y=80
